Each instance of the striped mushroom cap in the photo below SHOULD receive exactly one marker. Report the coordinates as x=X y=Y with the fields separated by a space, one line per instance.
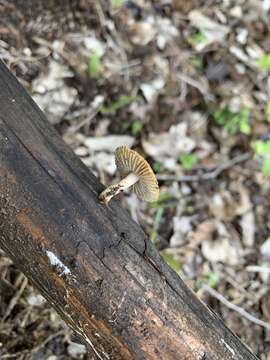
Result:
x=127 y=161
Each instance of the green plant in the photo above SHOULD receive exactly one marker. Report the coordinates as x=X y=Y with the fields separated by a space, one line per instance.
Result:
x=136 y=127
x=94 y=65
x=157 y=219
x=262 y=149
x=157 y=166
x=188 y=161
x=212 y=279
x=196 y=62
x=117 y=3
x=264 y=62
x=165 y=200
x=232 y=121
x=118 y=104
x=171 y=261
x=198 y=38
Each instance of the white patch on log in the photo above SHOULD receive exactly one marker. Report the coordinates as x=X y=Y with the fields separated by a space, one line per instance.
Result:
x=58 y=263
x=228 y=347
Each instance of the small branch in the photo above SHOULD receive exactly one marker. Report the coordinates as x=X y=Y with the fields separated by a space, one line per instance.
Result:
x=236 y=308
x=258 y=269
x=47 y=340
x=209 y=175
x=15 y=299
x=196 y=84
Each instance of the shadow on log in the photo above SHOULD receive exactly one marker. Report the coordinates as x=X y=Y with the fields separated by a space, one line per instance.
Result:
x=93 y=264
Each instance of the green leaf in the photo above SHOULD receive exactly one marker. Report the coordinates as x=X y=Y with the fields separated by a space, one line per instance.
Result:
x=222 y=115
x=94 y=65
x=233 y=122
x=165 y=200
x=165 y=196
x=244 y=128
x=154 y=232
x=121 y=102
x=212 y=279
x=243 y=117
x=266 y=166
x=136 y=127
x=188 y=161
x=171 y=261
x=264 y=62
x=258 y=147
x=196 y=62
x=261 y=147
x=157 y=166
x=117 y=3
x=198 y=38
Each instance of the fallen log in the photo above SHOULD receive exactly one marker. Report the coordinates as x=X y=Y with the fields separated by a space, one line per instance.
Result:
x=92 y=263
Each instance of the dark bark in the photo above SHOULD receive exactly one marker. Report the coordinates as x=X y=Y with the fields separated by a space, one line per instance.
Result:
x=93 y=264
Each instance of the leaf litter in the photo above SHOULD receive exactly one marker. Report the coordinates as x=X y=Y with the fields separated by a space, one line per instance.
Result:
x=194 y=79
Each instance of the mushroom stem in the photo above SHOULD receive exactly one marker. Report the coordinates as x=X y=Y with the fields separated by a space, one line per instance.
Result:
x=113 y=190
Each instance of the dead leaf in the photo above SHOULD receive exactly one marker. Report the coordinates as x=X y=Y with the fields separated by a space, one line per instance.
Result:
x=169 y=145
x=142 y=32
x=203 y=232
x=181 y=226
x=151 y=90
x=223 y=248
x=51 y=93
x=212 y=31
x=248 y=226
x=265 y=249
x=108 y=143
x=101 y=161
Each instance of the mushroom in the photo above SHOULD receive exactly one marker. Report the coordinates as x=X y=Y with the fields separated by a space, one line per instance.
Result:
x=137 y=174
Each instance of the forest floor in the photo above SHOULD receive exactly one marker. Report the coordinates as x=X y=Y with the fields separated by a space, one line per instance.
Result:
x=186 y=84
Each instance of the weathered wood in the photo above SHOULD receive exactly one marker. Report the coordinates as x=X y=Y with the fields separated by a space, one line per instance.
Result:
x=93 y=264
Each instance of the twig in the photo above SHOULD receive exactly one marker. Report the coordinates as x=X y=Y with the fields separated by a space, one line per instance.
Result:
x=258 y=269
x=88 y=119
x=47 y=340
x=15 y=299
x=236 y=308
x=194 y=83
x=207 y=176
x=113 y=37
x=17 y=356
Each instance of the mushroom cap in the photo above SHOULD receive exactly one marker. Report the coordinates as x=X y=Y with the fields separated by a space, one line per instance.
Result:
x=127 y=161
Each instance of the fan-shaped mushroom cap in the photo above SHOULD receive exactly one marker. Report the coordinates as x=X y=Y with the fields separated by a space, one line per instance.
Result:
x=127 y=161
